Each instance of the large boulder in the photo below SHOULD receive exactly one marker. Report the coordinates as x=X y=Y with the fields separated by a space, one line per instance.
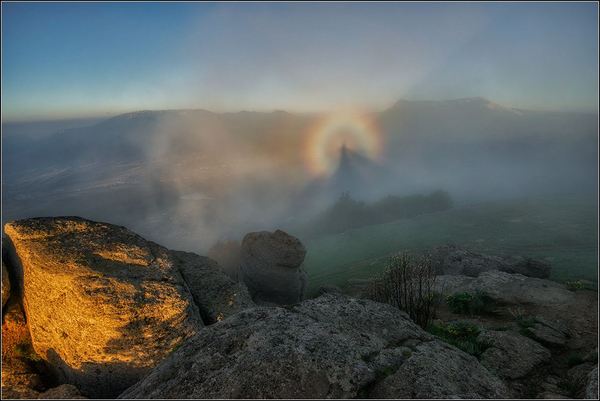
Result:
x=455 y=260
x=271 y=267
x=329 y=347
x=104 y=306
x=5 y=285
x=511 y=355
x=216 y=295
x=509 y=289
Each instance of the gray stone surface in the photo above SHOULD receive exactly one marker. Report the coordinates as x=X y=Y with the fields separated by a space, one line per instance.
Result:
x=509 y=289
x=511 y=355
x=216 y=295
x=591 y=388
x=547 y=332
x=271 y=267
x=438 y=370
x=456 y=260
x=329 y=347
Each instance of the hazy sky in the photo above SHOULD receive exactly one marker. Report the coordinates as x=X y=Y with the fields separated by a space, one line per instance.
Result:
x=71 y=60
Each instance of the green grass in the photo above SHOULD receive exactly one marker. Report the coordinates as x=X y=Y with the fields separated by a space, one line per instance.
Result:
x=562 y=231
x=466 y=303
x=462 y=335
x=525 y=323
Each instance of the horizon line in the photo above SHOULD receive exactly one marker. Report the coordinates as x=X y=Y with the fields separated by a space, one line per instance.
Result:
x=108 y=114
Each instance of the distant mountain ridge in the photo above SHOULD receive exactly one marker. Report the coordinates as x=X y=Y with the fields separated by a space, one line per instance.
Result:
x=148 y=162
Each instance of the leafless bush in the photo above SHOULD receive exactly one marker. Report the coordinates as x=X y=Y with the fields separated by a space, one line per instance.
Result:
x=407 y=283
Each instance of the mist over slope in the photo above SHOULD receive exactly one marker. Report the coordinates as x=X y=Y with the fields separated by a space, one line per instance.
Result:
x=186 y=178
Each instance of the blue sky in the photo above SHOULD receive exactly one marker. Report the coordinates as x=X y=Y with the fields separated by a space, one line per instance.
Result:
x=64 y=60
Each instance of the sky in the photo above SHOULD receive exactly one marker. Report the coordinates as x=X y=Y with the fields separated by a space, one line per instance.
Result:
x=65 y=60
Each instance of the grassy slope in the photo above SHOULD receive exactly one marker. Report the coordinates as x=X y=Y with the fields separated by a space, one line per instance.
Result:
x=562 y=230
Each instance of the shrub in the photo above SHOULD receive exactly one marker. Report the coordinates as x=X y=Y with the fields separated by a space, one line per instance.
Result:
x=471 y=304
x=407 y=283
x=462 y=335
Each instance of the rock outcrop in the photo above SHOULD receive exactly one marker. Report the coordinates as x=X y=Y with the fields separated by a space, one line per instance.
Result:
x=216 y=295
x=455 y=260
x=5 y=285
x=103 y=305
x=511 y=355
x=506 y=288
x=271 y=267
x=329 y=347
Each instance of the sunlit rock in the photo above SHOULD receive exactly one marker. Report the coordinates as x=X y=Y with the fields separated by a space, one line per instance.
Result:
x=19 y=376
x=103 y=305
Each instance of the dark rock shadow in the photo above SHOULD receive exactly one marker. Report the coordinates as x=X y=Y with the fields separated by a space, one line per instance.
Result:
x=96 y=380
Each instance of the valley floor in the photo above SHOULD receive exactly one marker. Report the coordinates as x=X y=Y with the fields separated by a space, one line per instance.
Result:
x=562 y=231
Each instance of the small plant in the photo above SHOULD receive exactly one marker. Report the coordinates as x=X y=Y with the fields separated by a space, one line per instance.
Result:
x=525 y=323
x=408 y=284
x=523 y=320
x=574 y=285
x=517 y=312
x=471 y=304
x=462 y=335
